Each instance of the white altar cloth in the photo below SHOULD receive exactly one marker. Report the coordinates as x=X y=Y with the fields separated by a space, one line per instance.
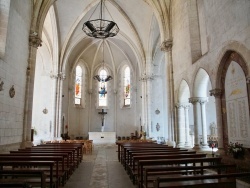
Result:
x=102 y=137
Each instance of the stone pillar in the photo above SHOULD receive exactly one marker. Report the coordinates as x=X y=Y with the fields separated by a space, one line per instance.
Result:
x=147 y=82
x=217 y=94
x=204 y=122
x=34 y=42
x=180 y=125
x=187 y=142
x=166 y=46
x=195 y=102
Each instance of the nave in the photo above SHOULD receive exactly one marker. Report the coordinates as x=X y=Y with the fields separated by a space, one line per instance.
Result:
x=101 y=169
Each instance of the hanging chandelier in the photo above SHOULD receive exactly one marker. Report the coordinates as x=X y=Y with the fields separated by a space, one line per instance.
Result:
x=100 y=28
x=103 y=76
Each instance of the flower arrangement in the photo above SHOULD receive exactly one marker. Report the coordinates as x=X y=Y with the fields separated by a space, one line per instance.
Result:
x=236 y=149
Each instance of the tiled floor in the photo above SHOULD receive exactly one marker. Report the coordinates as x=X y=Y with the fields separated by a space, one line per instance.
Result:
x=101 y=169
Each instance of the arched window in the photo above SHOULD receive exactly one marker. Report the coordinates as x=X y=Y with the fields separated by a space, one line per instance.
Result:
x=78 y=85
x=103 y=89
x=126 y=86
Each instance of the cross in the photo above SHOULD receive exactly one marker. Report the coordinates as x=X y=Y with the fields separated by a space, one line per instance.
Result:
x=102 y=113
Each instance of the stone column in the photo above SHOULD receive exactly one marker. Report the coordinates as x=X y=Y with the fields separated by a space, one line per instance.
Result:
x=186 y=108
x=217 y=94
x=34 y=42
x=204 y=122
x=166 y=46
x=180 y=124
x=195 y=102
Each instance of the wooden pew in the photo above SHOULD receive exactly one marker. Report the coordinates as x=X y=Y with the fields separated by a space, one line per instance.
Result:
x=121 y=144
x=227 y=180
x=65 y=144
x=63 y=171
x=41 y=164
x=151 y=173
x=20 y=176
x=68 y=154
x=55 y=159
x=133 y=153
x=126 y=149
x=77 y=149
x=183 y=161
x=135 y=165
x=75 y=161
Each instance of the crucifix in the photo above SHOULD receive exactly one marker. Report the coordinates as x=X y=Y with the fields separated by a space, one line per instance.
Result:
x=102 y=117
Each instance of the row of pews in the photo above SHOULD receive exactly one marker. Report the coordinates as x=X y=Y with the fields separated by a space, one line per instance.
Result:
x=45 y=165
x=151 y=165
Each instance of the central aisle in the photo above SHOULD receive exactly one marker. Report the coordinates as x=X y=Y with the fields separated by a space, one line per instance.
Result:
x=101 y=169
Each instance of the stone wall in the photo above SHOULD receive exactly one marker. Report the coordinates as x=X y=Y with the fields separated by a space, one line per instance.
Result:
x=227 y=22
x=13 y=73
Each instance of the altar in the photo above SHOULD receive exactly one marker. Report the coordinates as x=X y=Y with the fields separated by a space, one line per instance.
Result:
x=102 y=137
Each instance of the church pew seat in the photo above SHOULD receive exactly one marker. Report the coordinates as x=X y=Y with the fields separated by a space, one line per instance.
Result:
x=49 y=165
x=227 y=180
x=120 y=144
x=75 y=160
x=29 y=177
x=132 y=153
x=181 y=161
x=133 y=168
x=64 y=169
x=151 y=173
x=58 y=173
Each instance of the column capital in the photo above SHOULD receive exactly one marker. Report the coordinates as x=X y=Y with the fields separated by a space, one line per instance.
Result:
x=34 y=40
x=187 y=105
x=166 y=45
x=61 y=76
x=179 y=105
x=200 y=100
x=216 y=92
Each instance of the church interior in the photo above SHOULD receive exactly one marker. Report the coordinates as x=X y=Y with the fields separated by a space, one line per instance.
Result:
x=171 y=72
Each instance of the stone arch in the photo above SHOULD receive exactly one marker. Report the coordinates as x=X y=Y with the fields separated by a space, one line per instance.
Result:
x=200 y=83
x=183 y=92
x=229 y=56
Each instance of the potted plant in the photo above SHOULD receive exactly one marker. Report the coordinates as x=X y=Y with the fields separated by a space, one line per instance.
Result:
x=236 y=150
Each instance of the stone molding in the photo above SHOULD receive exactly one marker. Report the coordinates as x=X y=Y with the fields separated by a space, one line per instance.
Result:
x=216 y=92
x=166 y=45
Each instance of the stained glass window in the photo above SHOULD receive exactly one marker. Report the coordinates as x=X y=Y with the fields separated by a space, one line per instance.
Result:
x=78 y=85
x=103 y=89
x=127 y=89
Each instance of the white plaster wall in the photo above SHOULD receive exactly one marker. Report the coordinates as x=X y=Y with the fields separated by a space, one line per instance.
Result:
x=43 y=97
x=13 y=72
x=227 y=21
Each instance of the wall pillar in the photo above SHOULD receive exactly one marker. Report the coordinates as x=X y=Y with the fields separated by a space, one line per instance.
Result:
x=187 y=142
x=217 y=94
x=195 y=102
x=204 y=122
x=180 y=125
x=166 y=46
x=34 y=42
